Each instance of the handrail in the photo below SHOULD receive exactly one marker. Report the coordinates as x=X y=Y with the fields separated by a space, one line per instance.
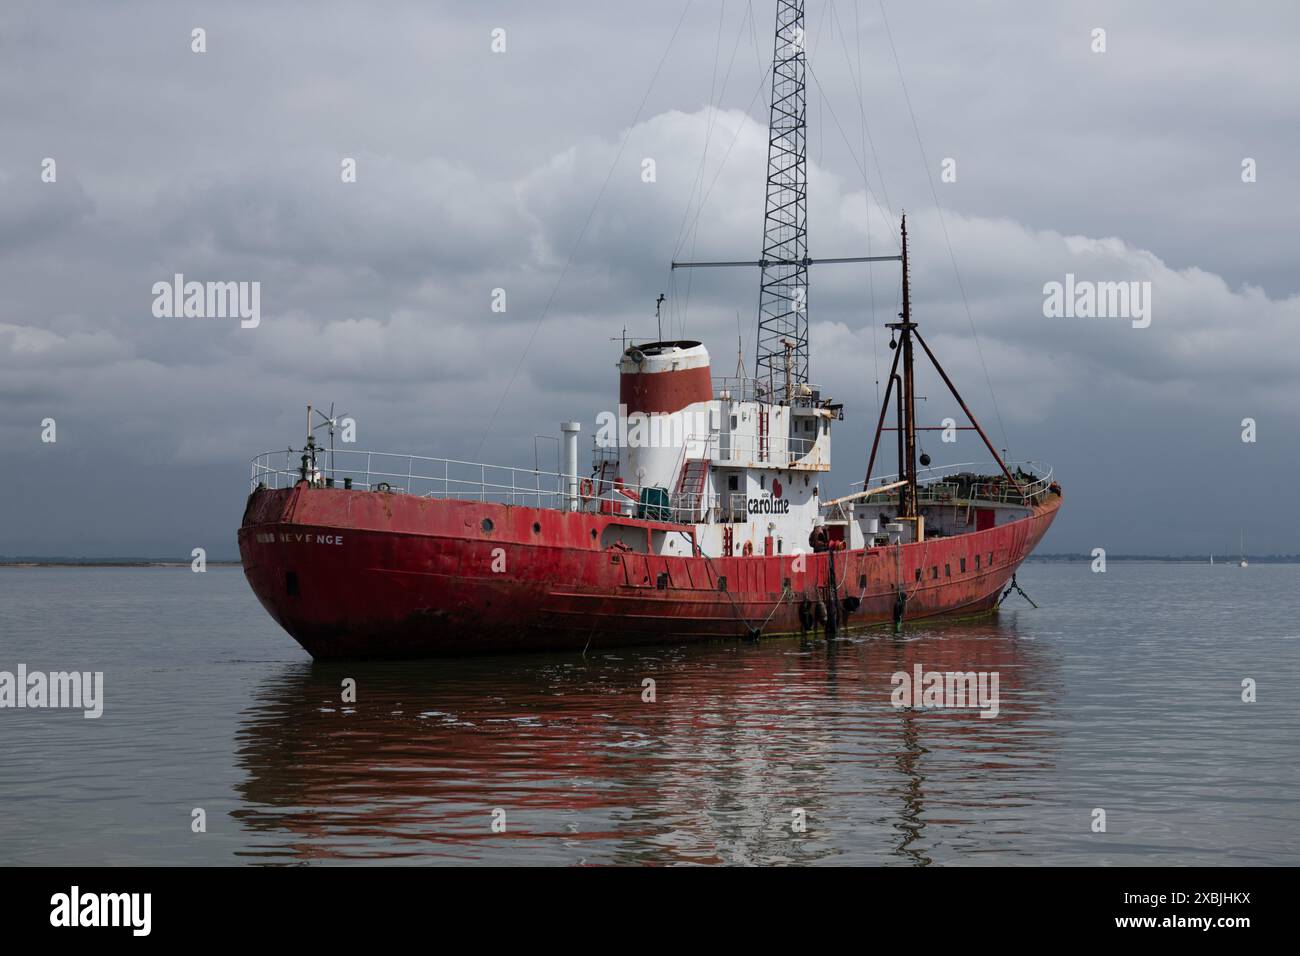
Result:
x=448 y=478
x=932 y=487
x=783 y=451
x=451 y=478
x=749 y=389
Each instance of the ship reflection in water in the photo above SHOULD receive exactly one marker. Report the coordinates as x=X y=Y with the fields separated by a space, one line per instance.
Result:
x=738 y=738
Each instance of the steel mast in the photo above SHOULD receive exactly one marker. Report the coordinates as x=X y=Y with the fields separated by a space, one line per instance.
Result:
x=783 y=287
x=907 y=426
x=783 y=290
x=906 y=384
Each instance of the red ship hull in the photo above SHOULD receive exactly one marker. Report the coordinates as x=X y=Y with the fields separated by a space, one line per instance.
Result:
x=359 y=574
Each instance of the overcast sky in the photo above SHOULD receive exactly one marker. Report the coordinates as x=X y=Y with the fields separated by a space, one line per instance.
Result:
x=521 y=170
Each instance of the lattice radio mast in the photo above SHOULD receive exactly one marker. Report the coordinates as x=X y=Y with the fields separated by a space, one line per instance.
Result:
x=783 y=290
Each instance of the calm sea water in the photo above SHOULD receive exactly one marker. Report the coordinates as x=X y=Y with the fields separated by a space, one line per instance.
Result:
x=1122 y=692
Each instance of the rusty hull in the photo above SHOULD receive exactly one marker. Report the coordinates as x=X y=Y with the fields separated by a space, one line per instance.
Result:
x=361 y=574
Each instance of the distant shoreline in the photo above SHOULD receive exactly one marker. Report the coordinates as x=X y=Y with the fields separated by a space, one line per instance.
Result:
x=1224 y=559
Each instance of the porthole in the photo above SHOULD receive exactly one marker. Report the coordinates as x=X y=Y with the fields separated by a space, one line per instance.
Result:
x=486 y=524
x=537 y=527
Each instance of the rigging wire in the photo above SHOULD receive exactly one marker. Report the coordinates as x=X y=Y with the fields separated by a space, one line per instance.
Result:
x=693 y=228
x=573 y=250
x=764 y=71
x=862 y=116
x=698 y=182
x=722 y=165
x=852 y=152
x=862 y=126
x=704 y=154
x=865 y=137
x=681 y=311
x=821 y=97
x=943 y=223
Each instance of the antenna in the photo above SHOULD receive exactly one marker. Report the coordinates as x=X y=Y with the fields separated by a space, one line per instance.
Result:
x=789 y=352
x=783 y=287
x=658 y=302
x=327 y=421
x=783 y=290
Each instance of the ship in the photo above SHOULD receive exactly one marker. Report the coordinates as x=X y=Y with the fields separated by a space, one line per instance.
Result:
x=705 y=513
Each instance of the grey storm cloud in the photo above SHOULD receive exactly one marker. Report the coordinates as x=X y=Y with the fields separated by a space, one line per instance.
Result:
x=479 y=171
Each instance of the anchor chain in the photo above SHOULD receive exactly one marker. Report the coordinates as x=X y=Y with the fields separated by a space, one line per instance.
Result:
x=1013 y=586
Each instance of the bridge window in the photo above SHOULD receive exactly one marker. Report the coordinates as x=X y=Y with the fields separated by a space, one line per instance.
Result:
x=963 y=565
x=934 y=572
x=918 y=574
x=947 y=570
x=977 y=562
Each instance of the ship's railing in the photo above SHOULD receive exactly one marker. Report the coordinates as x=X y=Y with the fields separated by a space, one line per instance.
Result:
x=775 y=451
x=974 y=481
x=738 y=389
x=411 y=474
x=447 y=478
x=731 y=450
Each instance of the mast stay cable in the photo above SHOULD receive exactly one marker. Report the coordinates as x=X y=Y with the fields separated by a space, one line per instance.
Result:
x=722 y=165
x=715 y=100
x=573 y=250
x=943 y=223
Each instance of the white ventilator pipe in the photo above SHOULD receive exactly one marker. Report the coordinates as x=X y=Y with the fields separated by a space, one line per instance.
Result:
x=570 y=437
